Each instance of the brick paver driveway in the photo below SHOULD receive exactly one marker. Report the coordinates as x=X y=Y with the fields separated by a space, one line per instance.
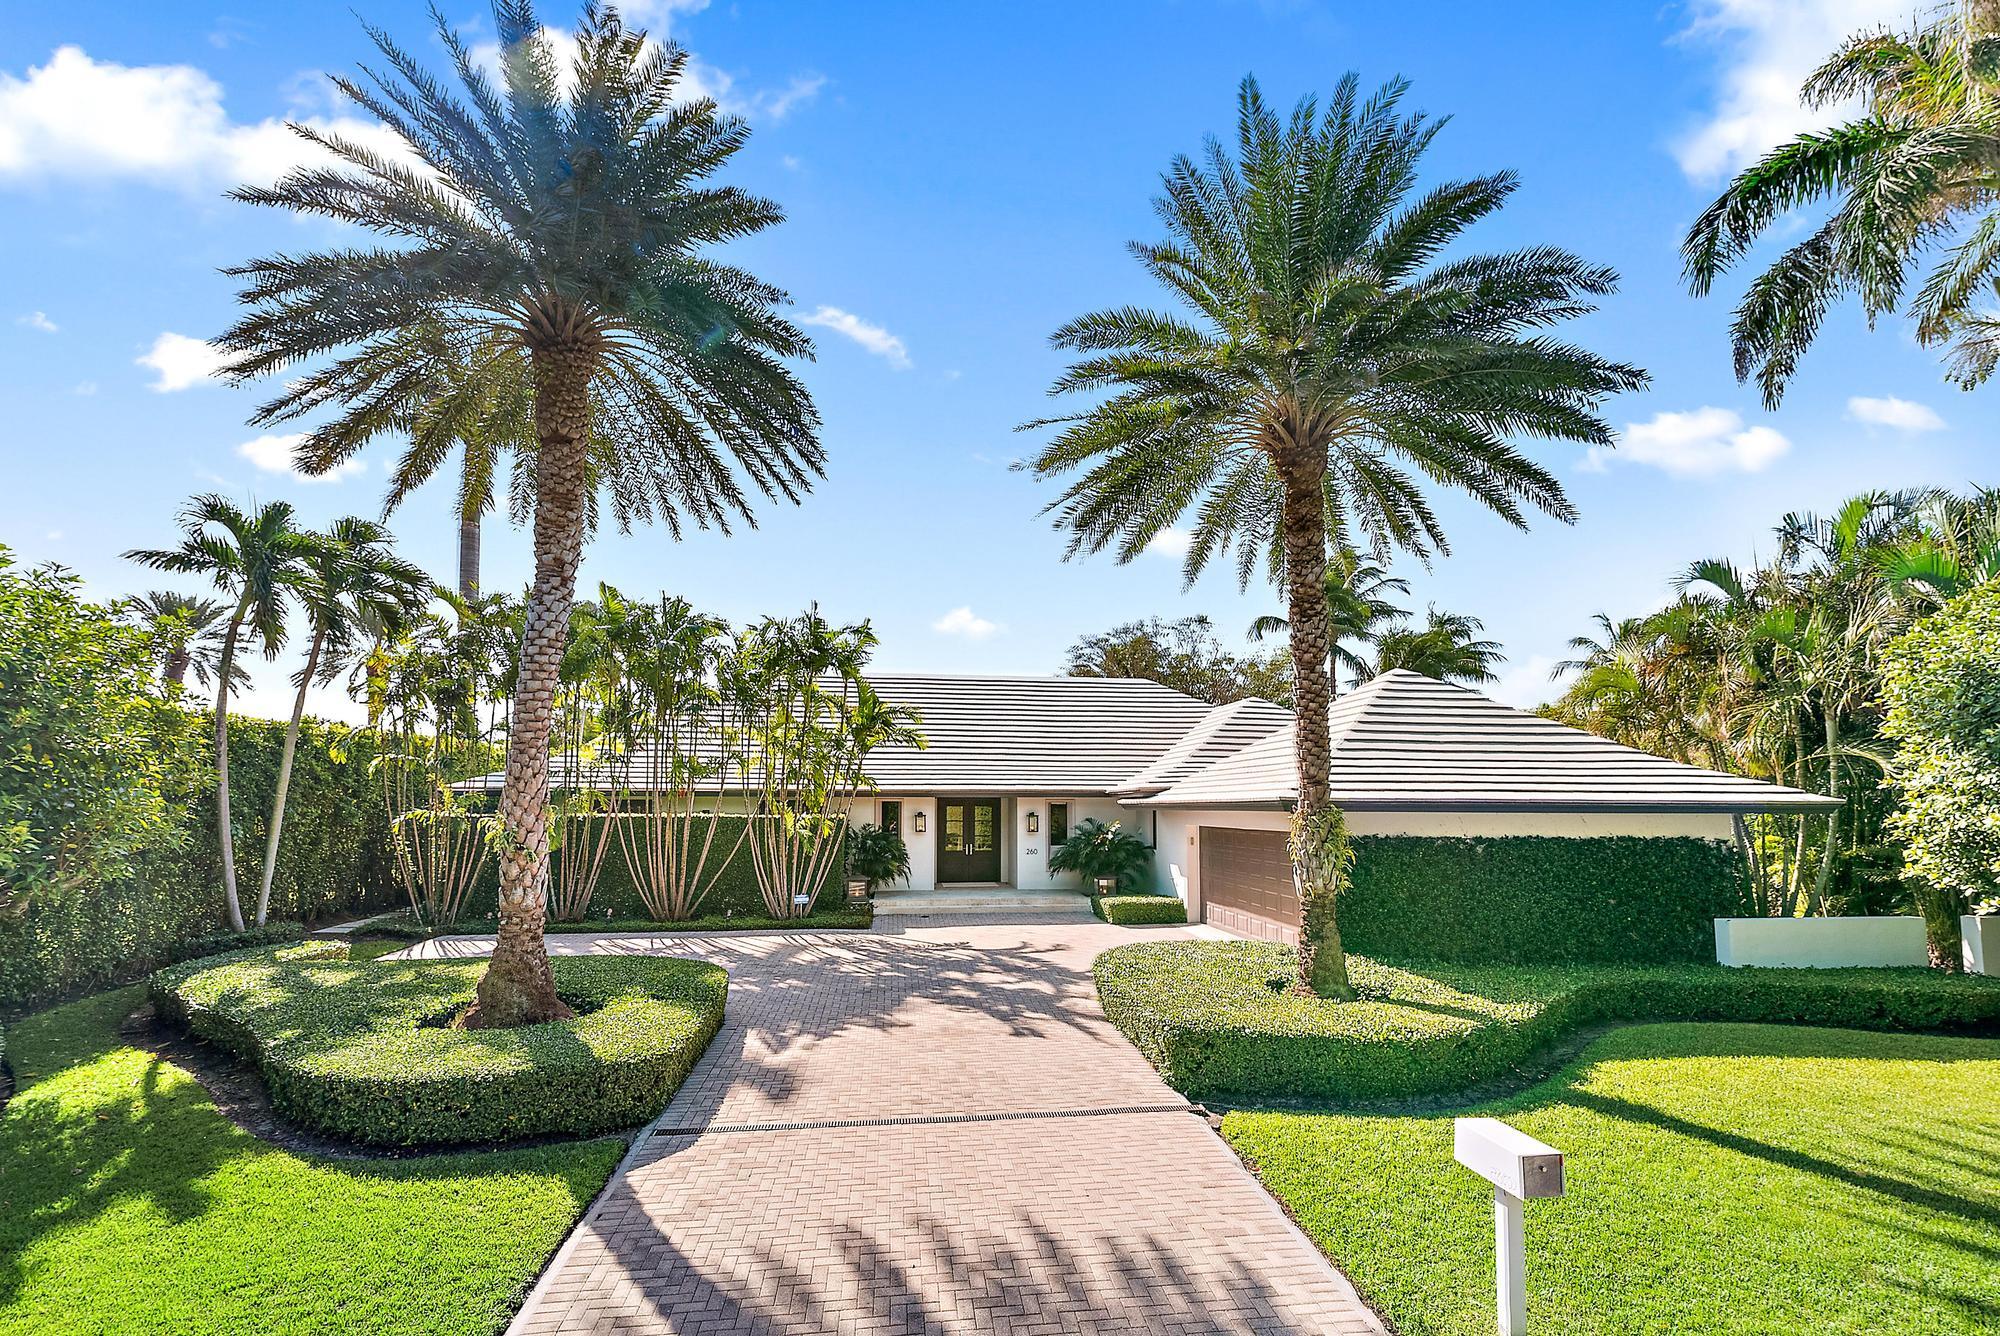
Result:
x=927 y=1128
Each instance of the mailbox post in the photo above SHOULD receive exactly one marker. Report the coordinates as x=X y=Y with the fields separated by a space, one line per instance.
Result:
x=1518 y=1167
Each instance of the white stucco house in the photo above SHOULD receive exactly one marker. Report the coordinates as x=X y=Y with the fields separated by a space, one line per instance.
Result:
x=1014 y=762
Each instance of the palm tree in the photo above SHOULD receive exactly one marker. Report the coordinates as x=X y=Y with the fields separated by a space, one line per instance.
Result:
x=1918 y=170
x=186 y=633
x=1356 y=609
x=1448 y=648
x=258 y=557
x=565 y=214
x=1328 y=364
x=355 y=591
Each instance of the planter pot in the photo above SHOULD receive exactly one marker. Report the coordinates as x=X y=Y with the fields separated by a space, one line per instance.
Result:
x=1982 y=943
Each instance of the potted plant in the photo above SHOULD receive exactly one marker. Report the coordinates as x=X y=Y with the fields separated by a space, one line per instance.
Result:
x=875 y=857
x=1109 y=860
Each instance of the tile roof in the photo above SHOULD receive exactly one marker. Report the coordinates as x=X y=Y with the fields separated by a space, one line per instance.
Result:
x=1223 y=731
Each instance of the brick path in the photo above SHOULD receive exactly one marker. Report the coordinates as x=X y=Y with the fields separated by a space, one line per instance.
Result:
x=927 y=1129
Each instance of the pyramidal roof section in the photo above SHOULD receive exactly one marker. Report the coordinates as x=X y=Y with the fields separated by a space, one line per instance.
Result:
x=1406 y=742
x=1223 y=731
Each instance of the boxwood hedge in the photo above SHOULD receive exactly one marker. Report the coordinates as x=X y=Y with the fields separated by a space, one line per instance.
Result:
x=1138 y=910
x=363 y=1050
x=1219 y=1022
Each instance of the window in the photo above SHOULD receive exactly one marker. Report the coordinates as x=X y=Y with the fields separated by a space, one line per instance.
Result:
x=892 y=817
x=1058 y=823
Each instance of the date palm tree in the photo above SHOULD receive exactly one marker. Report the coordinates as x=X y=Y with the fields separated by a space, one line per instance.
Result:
x=355 y=590
x=1915 y=174
x=258 y=557
x=186 y=633
x=1328 y=364
x=565 y=212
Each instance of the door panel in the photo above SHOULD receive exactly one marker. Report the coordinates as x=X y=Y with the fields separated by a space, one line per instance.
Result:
x=1246 y=884
x=969 y=842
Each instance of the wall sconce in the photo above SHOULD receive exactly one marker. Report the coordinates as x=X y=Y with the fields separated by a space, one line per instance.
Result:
x=1034 y=822
x=917 y=823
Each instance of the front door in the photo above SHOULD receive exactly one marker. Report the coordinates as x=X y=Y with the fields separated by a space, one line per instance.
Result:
x=969 y=849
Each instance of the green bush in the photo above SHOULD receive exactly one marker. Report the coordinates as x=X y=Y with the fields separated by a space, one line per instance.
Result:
x=1219 y=1021
x=364 y=1050
x=1539 y=900
x=877 y=855
x=1095 y=850
x=1139 y=910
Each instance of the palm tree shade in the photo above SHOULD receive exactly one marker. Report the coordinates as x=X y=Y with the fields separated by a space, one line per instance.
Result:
x=1915 y=175
x=562 y=214
x=355 y=590
x=258 y=557
x=1328 y=366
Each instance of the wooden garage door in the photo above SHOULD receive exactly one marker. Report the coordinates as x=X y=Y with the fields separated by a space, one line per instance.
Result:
x=1246 y=884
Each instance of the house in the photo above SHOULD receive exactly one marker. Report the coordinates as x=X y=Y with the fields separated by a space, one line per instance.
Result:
x=1013 y=763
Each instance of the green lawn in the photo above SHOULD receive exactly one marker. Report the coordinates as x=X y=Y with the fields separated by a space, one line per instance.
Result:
x=1722 y=1179
x=128 y=1204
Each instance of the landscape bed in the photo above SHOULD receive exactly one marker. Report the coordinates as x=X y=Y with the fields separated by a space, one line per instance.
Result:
x=1733 y=1179
x=840 y=917
x=364 y=1050
x=1220 y=1022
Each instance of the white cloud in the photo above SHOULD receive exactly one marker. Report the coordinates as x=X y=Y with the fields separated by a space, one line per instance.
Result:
x=965 y=622
x=1171 y=543
x=38 y=320
x=181 y=362
x=1897 y=414
x=274 y=454
x=1766 y=49
x=83 y=389
x=1526 y=685
x=76 y=118
x=1697 y=444
x=55 y=535
x=869 y=335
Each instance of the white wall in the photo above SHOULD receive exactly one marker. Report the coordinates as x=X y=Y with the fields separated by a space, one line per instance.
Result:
x=1981 y=935
x=1821 y=943
x=1178 y=862
x=923 y=848
x=1031 y=851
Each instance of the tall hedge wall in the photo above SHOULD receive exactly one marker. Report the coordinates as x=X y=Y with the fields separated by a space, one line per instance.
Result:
x=735 y=891
x=334 y=860
x=1539 y=900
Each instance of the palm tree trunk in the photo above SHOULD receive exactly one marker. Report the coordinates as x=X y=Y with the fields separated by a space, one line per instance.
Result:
x=225 y=836
x=285 y=775
x=174 y=671
x=468 y=554
x=518 y=988
x=1315 y=820
x=1833 y=790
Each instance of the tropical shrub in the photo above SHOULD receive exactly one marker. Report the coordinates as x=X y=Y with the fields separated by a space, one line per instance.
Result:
x=1223 y=1020
x=365 y=1051
x=1095 y=849
x=877 y=855
x=1134 y=911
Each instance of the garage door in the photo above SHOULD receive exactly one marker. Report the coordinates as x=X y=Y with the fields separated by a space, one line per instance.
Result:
x=1246 y=884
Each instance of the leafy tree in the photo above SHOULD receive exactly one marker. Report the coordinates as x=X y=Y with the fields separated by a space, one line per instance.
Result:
x=355 y=589
x=565 y=214
x=88 y=743
x=1183 y=654
x=1941 y=686
x=1912 y=175
x=1328 y=365
x=259 y=558
x=1448 y=647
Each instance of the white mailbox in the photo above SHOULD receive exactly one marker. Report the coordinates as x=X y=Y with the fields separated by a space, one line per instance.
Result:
x=1518 y=1167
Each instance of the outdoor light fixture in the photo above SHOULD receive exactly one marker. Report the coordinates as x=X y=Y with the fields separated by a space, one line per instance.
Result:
x=1034 y=822
x=917 y=823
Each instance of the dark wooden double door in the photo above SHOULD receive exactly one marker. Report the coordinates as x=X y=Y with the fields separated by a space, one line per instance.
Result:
x=969 y=842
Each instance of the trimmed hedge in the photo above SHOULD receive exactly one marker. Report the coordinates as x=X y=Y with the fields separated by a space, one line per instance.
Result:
x=334 y=860
x=1218 y=1020
x=1139 y=910
x=1540 y=900
x=364 y=1051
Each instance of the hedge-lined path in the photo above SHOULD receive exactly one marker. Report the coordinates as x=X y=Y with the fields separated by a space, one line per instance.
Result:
x=926 y=1128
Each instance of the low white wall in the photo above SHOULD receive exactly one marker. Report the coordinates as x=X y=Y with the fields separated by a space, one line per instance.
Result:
x=1981 y=933
x=1821 y=943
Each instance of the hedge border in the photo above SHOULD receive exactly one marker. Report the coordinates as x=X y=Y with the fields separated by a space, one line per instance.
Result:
x=1136 y=911
x=358 y=1051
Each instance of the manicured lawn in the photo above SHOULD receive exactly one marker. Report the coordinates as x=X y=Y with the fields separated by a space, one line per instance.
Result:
x=1722 y=1179
x=127 y=1203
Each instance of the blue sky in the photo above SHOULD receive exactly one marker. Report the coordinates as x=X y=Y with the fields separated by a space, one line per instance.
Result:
x=959 y=181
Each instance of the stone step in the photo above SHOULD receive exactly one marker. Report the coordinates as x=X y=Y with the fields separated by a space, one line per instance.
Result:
x=981 y=900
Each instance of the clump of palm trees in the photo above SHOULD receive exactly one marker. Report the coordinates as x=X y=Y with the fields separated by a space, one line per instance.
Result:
x=1325 y=365
x=1448 y=645
x=1776 y=670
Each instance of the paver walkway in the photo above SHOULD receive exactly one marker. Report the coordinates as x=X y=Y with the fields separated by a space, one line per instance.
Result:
x=927 y=1128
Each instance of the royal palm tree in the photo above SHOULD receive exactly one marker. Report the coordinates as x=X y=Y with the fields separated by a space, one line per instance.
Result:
x=186 y=633
x=1915 y=174
x=566 y=214
x=258 y=557
x=1328 y=362
x=356 y=592
x=1448 y=647
x=1357 y=609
